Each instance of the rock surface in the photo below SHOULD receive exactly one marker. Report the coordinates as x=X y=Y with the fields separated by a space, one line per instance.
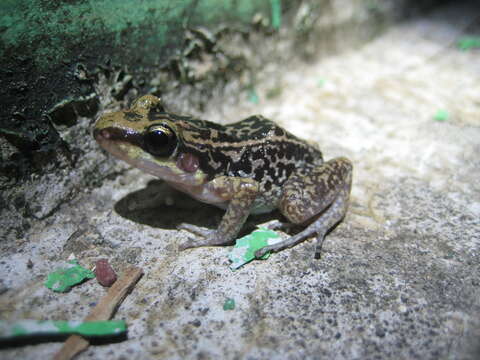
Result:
x=399 y=277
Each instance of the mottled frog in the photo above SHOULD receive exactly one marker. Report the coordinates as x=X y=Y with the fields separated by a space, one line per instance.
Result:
x=248 y=167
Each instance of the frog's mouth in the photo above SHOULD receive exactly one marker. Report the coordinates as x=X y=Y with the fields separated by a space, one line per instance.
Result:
x=128 y=147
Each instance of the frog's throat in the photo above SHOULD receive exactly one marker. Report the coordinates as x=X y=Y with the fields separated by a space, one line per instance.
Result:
x=165 y=169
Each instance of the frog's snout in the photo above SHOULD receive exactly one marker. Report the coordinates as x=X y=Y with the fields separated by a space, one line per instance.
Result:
x=114 y=135
x=106 y=130
x=110 y=134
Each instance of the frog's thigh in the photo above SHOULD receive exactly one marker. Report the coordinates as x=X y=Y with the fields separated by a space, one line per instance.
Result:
x=240 y=194
x=323 y=194
x=305 y=196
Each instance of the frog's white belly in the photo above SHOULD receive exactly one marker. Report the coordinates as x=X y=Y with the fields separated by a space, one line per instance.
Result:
x=208 y=195
x=201 y=193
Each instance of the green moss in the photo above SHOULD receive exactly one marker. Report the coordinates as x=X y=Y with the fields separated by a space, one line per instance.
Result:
x=49 y=32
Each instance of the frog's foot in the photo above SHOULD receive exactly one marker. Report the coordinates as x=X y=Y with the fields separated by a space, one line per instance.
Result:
x=293 y=240
x=200 y=237
x=319 y=227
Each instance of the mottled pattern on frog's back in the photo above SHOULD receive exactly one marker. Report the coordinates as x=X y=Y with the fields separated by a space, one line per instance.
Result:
x=255 y=148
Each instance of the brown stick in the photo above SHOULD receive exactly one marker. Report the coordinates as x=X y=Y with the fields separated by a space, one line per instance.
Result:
x=103 y=311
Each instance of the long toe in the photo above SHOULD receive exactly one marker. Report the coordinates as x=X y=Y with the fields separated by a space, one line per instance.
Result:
x=195 y=229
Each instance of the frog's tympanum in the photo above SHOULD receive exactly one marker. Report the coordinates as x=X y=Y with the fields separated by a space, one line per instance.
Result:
x=249 y=167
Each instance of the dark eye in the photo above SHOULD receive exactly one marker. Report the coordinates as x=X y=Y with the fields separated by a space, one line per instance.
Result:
x=160 y=140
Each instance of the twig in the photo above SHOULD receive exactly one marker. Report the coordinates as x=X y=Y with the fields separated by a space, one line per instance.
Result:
x=103 y=311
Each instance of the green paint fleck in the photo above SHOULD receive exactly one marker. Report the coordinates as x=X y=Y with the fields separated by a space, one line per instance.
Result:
x=253 y=96
x=321 y=82
x=17 y=330
x=274 y=92
x=94 y=328
x=46 y=327
x=245 y=247
x=63 y=279
x=229 y=304
x=441 y=115
x=276 y=13
x=470 y=42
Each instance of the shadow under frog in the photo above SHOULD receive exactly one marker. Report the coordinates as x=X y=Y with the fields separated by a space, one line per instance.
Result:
x=160 y=206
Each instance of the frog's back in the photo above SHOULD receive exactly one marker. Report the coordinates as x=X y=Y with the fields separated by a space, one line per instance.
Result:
x=254 y=147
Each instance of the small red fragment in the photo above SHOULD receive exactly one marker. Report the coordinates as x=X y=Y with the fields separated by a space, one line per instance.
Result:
x=104 y=272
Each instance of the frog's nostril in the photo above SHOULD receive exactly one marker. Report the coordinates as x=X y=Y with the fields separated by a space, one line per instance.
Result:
x=102 y=134
x=105 y=134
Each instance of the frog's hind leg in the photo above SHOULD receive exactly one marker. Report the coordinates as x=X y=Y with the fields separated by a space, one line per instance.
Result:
x=321 y=195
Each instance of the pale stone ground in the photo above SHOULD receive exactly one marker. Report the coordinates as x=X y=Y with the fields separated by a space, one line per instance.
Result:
x=398 y=279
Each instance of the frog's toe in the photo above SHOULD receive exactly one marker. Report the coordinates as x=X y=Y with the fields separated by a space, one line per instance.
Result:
x=261 y=252
x=277 y=225
x=188 y=244
x=195 y=230
x=199 y=237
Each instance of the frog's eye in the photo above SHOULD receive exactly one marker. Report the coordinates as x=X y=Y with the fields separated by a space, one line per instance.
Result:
x=160 y=140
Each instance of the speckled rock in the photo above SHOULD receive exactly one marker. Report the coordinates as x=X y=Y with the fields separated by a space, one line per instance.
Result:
x=398 y=278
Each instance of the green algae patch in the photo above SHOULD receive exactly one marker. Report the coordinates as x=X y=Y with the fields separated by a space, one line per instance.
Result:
x=62 y=280
x=48 y=31
x=245 y=247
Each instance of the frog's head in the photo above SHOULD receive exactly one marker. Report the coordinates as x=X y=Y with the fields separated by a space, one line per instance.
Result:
x=145 y=136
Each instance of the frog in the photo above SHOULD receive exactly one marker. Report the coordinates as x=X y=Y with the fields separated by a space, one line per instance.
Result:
x=252 y=166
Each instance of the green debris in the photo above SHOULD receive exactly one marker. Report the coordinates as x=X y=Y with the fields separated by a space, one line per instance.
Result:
x=372 y=5
x=253 y=96
x=245 y=247
x=99 y=328
x=63 y=279
x=469 y=42
x=274 y=92
x=276 y=13
x=441 y=115
x=229 y=304
x=10 y=330
x=321 y=82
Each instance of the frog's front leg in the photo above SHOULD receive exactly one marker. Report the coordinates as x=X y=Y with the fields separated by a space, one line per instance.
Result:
x=240 y=194
x=321 y=196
